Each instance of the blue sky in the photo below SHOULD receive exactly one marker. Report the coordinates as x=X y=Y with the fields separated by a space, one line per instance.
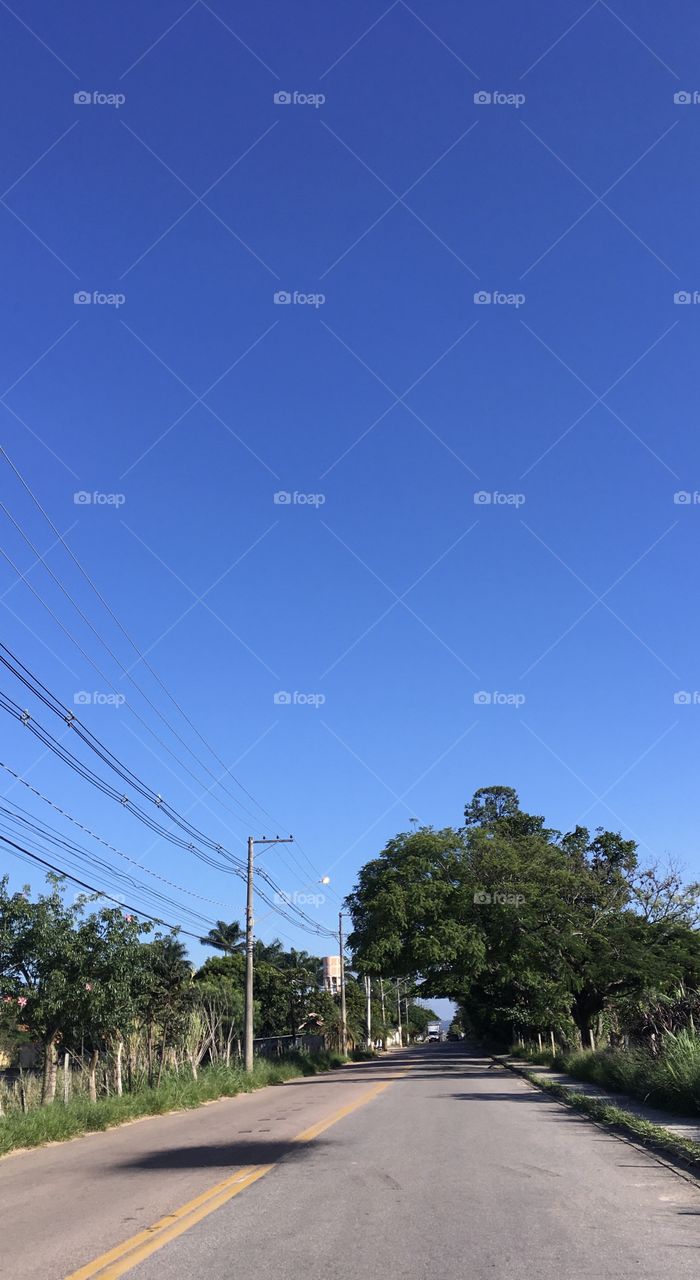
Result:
x=382 y=197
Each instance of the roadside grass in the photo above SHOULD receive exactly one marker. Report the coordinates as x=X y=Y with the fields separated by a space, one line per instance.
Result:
x=652 y=1135
x=670 y=1081
x=58 y=1122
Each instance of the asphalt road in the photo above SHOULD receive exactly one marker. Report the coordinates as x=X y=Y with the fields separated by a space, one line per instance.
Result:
x=446 y=1169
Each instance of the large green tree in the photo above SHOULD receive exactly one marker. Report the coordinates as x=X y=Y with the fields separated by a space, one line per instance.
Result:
x=525 y=927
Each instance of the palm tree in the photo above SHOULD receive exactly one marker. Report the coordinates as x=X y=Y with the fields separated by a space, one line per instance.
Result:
x=268 y=952
x=225 y=937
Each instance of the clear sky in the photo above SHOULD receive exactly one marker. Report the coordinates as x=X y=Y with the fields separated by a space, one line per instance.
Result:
x=334 y=154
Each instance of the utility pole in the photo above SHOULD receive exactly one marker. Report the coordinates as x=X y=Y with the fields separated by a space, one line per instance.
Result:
x=405 y=1005
x=343 y=1011
x=368 y=993
x=248 y=1028
x=398 y=1010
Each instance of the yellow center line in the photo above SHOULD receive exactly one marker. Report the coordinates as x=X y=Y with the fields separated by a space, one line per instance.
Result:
x=117 y=1261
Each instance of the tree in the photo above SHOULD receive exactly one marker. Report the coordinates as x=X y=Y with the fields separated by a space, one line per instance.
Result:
x=166 y=996
x=105 y=1004
x=406 y=911
x=489 y=805
x=523 y=926
x=40 y=967
x=225 y=937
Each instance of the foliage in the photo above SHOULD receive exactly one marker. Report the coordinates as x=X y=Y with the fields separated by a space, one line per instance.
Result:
x=524 y=927
x=176 y=1093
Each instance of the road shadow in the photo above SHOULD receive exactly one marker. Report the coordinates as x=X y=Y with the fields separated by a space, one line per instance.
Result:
x=230 y=1155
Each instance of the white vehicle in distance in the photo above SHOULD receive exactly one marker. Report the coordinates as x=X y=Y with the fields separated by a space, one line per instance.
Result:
x=433 y=1032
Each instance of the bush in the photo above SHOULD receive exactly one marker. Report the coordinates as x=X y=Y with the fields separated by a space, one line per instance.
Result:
x=180 y=1092
x=670 y=1081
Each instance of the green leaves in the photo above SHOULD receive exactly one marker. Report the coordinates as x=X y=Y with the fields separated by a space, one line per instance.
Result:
x=519 y=923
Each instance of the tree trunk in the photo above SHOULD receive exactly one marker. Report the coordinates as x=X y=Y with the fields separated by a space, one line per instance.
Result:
x=149 y=1055
x=161 y=1064
x=66 y=1079
x=118 y=1052
x=50 y=1075
x=92 y=1075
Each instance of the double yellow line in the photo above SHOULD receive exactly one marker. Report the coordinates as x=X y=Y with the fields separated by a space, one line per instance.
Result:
x=117 y=1261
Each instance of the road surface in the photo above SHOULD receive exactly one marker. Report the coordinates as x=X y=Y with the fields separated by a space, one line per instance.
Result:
x=426 y=1163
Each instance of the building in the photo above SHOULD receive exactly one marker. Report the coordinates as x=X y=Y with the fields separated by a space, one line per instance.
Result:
x=331 y=974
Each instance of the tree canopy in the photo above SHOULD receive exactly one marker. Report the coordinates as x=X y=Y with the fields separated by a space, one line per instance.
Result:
x=522 y=925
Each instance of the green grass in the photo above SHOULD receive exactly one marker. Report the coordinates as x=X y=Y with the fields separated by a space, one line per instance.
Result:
x=670 y=1081
x=543 y=1058
x=652 y=1135
x=59 y=1122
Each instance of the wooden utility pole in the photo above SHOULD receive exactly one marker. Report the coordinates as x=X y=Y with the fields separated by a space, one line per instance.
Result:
x=343 y=1010
x=248 y=1026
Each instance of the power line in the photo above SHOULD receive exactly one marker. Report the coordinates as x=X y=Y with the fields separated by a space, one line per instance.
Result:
x=113 y=849
x=77 y=857
x=105 y=677
x=231 y=864
x=31 y=682
x=25 y=854
x=142 y=658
